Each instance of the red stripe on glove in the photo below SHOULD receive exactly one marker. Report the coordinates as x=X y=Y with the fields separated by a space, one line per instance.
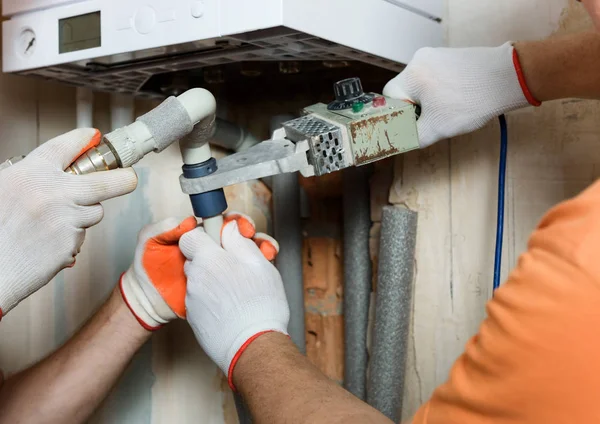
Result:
x=238 y=354
x=142 y=323
x=521 y=76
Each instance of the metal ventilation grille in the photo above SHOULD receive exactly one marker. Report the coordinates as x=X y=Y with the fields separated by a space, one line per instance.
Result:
x=326 y=144
x=276 y=44
x=306 y=127
x=330 y=152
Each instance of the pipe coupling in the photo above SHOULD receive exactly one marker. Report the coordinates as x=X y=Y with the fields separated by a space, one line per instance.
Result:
x=100 y=158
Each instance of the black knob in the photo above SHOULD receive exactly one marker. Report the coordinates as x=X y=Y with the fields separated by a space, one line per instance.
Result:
x=348 y=89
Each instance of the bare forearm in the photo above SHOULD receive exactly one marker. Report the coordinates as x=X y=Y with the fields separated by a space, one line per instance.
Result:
x=69 y=385
x=280 y=385
x=563 y=67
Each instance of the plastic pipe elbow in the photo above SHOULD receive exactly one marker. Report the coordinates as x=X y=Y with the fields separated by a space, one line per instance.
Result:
x=198 y=103
x=201 y=107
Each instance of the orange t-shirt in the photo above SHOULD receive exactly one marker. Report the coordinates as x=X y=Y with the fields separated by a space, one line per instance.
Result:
x=536 y=358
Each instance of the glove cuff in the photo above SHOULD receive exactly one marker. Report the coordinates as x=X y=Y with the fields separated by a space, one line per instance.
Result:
x=504 y=91
x=522 y=82
x=137 y=302
x=260 y=316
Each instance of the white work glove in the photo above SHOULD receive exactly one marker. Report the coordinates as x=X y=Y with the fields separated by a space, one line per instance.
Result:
x=461 y=90
x=234 y=294
x=44 y=212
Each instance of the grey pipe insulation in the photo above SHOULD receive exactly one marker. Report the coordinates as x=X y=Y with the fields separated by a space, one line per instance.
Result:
x=357 y=278
x=392 y=310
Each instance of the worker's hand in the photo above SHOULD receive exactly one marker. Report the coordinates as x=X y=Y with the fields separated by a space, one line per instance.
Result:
x=154 y=285
x=44 y=212
x=234 y=294
x=460 y=90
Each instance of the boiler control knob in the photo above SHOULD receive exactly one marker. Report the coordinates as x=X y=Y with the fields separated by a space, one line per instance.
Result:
x=348 y=89
x=347 y=93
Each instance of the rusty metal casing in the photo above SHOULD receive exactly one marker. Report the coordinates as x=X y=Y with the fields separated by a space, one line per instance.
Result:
x=366 y=136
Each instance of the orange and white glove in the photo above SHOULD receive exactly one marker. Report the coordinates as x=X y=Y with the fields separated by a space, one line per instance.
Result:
x=154 y=286
x=44 y=212
x=234 y=294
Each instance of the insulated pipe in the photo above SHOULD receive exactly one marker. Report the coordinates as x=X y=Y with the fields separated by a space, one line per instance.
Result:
x=357 y=278
x=288 y=233
x=172 y=120
x=392 y=310
x=84 y=107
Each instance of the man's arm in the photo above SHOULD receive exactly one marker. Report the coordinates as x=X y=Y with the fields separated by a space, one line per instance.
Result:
x=461 y=89
x=237 y=308
x=562 y=67
x=279 y=385
x=69 y=385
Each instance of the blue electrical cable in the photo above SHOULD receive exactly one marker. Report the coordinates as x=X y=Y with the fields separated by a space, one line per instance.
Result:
x=500 y=213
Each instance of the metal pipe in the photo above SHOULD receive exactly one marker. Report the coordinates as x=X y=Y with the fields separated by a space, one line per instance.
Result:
x=357 y=278
x=392 y=310
x=288 y=233
x=84 y=107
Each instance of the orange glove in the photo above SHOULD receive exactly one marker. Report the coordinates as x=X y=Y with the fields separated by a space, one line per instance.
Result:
x=267 y=244
x=154 y=286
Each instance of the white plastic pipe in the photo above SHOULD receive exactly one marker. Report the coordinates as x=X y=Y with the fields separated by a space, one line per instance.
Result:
x=122 y=110
x=195 y=153
x=84 y=107
x=213 y=227
x=201 y=106
x=232 y=136
x=199 y=103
